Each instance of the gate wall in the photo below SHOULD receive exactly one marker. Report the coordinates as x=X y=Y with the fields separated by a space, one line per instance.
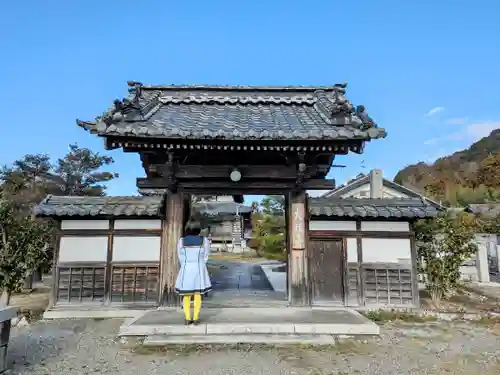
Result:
x=379 y=259
x=107 y=262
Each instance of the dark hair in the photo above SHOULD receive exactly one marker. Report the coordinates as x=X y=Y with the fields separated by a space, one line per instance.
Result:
x=193 y=231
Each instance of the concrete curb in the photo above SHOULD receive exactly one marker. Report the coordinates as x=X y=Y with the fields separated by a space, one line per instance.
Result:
x=445 y=316
x=92 y=314
x=368 y=328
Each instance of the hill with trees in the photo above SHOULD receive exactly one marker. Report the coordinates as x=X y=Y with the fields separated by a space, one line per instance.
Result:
x=467 y=176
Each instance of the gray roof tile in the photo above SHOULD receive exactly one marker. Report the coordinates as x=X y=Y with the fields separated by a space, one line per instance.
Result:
x=407 y=208
x=238 y=112
x=152 y=192
x=363 y=179
x=485 y=209
x=56 y=206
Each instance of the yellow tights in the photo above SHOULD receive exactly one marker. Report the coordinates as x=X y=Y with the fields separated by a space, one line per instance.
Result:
x=186 y=303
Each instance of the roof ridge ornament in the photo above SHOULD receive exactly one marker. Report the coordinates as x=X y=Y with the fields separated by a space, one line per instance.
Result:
x=367 y=121
x=126 y=107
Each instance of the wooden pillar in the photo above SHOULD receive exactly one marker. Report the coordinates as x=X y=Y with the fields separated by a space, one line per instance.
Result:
x=55 y=260
x=414 y=268
x=298 y=260
x=172 y=231
x=108 y=271
x=361 y=274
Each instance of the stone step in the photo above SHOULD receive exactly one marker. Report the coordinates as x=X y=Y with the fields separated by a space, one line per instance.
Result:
x=249 y=329
x=276 y=339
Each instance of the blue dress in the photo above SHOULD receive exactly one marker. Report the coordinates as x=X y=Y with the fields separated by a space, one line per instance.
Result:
x=193 y=275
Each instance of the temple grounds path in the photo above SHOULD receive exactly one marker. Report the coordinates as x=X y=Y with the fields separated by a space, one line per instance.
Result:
x=91 y=347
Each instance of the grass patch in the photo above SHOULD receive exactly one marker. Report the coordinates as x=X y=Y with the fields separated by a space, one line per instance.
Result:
x=33 y=315
x=380 y=316
x=283 y=352
x=488 y=321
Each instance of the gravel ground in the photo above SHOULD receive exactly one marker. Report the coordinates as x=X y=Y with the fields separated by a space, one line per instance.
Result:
x=90 y=347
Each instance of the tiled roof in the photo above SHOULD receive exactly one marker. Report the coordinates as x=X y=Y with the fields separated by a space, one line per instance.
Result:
x=236 y=112
x=152 y=192
x=485 y=209
x=55 y=206
x=363 y=179
x=408 y=208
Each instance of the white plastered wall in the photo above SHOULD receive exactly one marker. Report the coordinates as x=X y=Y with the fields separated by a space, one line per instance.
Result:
x=326 y=225
x=83 y=249
x=385 y=226
x=350 y=225
x=375 y=250
x=84 y=224
x=387 y=250
x=93 y=249
x=352 y=250
x=136 y=249
x=151 y=224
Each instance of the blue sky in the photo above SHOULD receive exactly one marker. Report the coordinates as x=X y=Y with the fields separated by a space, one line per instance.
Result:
x=427 y=71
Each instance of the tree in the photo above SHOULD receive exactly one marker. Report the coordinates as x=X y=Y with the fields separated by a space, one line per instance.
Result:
x=23 y=247
x=273 y=205
x=28 y=180
x=443 y=245
x=488 y=224
x=79 y=172
x=269 y=229
x=487 y=174
x=32 y=177
x=25 y=182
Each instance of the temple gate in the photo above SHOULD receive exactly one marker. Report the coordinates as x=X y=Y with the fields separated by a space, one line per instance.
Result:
x=230 y=140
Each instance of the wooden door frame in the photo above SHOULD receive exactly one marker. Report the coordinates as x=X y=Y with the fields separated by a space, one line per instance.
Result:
x=343 y=252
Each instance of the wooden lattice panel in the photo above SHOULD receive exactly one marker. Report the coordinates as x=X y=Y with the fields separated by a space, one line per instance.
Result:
x=134 y=284
x=81 y=284
x=352 y=284
x=387 y=286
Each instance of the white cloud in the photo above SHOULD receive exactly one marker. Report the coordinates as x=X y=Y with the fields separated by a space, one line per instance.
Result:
x=435 y=111
x=457 y=121
x=474 y=131
x=431 y=141
x=482 y=129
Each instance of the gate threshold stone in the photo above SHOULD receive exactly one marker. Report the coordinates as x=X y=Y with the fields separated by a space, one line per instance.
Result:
x=251 y=321
x=275 y=339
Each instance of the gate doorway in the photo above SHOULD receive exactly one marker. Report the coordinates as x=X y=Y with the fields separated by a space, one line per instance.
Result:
x=327 y=270
x=247 y=265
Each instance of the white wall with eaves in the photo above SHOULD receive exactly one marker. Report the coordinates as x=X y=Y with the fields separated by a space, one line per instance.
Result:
x=76 y=248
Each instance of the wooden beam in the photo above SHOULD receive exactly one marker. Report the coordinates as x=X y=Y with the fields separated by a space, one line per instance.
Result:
x=189 y=172
x=172 y=231
x=207 y=186
x=360 y=276
x=354 y=234
x=319 y=184
x=210 y=186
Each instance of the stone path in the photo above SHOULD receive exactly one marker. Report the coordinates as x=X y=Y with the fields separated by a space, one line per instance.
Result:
x=237 y=275
x=90 y=347
x=276 y=276
x=491 y=290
